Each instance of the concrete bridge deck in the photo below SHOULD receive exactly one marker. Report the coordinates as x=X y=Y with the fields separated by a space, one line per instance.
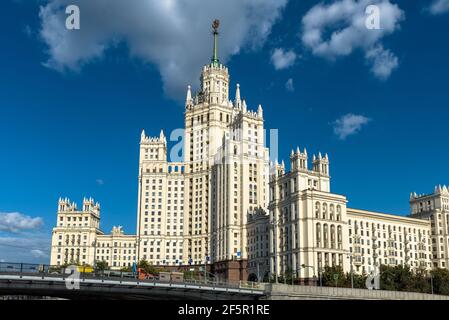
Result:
x=42 y=282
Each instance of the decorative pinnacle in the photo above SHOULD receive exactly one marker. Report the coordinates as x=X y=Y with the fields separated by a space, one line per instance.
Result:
x=215 y=26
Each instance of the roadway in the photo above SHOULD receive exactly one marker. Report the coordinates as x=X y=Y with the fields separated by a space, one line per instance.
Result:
x=98 y=287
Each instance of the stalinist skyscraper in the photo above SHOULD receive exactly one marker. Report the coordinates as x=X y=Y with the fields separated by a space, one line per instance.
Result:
x=195 y=211
x=220 y=206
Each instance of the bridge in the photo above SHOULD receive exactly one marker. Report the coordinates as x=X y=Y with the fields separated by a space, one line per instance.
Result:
x=39 y=280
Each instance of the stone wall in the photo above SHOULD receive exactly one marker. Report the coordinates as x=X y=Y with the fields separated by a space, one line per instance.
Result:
x=288 y=292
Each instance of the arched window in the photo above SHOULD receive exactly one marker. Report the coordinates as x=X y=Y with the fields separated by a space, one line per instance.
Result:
x=331 y=212
x=339 y=237
x=333 y=236
x=325 y=236
x=318 y=235
x=317 y=210
x=324 y=211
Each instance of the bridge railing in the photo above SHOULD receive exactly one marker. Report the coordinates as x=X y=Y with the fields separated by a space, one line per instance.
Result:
x=89 y=273
x=24 y=267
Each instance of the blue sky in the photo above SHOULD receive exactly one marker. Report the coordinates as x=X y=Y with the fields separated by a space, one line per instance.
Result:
x=72 y=105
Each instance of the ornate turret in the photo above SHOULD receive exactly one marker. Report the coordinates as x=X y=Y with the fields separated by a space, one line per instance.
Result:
x=117 y=231
x=321 y=164
x=298 y=160
x=89 y=205
x=65 y=205
x=276 y=169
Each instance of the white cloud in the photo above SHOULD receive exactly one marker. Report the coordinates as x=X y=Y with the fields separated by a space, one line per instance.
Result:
x=439 y=7
x=344 y=22
x=383 y=62
x=36 y=253
x=31 y=248
x=16 y=222
x=283 y=59
x=289 y=85
x=174 y=35
x=349 y=124
x=100 y=182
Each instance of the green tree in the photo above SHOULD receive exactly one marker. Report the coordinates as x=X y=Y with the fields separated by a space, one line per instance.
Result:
x=334 y=276
x=359 y=280
x=101 y=265
x=147 y=267
x=402 y=278
x=287 y=276
x=126 y=269
x=421 y=281
x=440 y=281
x=388 y=278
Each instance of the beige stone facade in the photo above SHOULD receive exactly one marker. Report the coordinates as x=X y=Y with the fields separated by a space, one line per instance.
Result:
x=312 y=228
x=434 y=207
x=308 y=224
x=77 y=238
x=378 y=238
x=258 y=244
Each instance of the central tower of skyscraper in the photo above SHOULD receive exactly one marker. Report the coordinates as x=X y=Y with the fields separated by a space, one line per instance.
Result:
x=224 y=177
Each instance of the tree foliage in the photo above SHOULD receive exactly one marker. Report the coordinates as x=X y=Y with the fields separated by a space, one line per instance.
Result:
x=393 y=278
x=440 y=279
x=101 y=265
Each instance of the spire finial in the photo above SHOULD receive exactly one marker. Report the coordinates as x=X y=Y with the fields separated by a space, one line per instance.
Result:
x=162 y=136
x=215 y=26
x=237 y=95
x=189 y=95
